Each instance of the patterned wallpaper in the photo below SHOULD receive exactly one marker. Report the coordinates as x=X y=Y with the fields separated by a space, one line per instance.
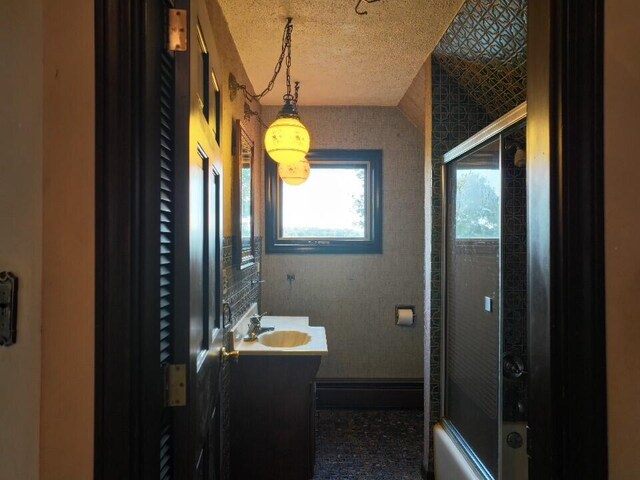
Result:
x=238 y=291
x=456 y=117
x=478 y=75
x=354 y=296
x=514 y=269
x=484 y=49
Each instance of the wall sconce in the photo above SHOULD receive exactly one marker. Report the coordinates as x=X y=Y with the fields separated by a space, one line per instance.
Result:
x=286 y=140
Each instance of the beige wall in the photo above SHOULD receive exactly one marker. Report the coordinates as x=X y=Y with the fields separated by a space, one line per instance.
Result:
x=68 y=242
x=622 y=224
x=46 y=208
x=21 y=231
x=69 y=222
x=353 y=296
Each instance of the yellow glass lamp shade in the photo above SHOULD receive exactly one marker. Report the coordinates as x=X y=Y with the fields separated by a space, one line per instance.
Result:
x=287 y=140
x=294 y=173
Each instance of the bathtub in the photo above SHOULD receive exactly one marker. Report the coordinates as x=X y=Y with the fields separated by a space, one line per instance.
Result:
x=451 y=464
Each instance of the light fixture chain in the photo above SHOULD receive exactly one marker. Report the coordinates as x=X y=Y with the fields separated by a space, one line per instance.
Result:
x=288 y=94
x=295 y=97
x=286 y=50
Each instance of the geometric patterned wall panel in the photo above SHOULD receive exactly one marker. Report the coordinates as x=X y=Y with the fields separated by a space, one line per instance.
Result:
x=240 y=290
x=514 y=271
x=455 y=117
x=485 y=50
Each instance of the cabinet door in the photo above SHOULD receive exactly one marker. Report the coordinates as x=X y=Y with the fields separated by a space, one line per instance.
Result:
x=273 y=417
x=312 y=428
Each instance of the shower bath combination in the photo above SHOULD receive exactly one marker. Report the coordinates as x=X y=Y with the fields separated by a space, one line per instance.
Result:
x=482 y=433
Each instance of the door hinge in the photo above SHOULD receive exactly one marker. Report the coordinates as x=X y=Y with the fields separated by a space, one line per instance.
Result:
x=177 y=31
x=175 y=385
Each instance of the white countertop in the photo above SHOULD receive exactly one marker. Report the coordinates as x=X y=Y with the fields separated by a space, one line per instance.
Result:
x=316 y=346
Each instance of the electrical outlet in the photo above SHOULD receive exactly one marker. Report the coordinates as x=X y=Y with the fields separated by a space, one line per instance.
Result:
x=5 y=293
x=8 y=308
x=5 y=326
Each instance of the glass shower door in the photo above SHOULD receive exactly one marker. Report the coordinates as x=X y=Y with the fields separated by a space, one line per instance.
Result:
x=484 y=335
x=472 y=347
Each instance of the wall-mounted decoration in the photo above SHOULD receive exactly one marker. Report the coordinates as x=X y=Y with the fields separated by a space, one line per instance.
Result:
x=243 y=242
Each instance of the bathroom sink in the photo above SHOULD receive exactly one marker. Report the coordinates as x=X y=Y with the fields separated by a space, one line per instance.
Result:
x=293 y=336
x=284 y=339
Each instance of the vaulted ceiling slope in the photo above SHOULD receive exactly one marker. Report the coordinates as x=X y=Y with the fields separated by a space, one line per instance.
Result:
x=485 y=51
x=339 y=57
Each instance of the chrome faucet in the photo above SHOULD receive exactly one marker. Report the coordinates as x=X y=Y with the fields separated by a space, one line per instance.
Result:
x=255 y=327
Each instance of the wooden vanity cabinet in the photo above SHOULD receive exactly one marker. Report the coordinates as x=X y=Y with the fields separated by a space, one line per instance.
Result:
x=273 y=417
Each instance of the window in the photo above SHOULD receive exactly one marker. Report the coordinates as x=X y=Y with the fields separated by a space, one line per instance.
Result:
x=337 y=210
x=477 y=203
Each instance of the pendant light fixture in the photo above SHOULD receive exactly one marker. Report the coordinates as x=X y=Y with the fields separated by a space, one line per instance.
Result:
x=294 y=173
x=286 y=140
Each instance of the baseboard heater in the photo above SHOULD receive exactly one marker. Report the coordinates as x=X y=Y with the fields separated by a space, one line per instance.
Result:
x=370 y=394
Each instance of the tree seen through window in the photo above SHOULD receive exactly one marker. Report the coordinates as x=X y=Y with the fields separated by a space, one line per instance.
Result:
x=478 y=203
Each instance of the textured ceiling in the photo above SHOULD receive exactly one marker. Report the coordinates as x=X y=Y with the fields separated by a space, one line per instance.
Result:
x=339 y=57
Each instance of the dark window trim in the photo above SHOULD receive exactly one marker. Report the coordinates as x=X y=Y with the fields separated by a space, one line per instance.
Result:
x=274 y=245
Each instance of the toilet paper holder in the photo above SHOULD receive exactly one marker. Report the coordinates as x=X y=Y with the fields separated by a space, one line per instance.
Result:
x=400 y=307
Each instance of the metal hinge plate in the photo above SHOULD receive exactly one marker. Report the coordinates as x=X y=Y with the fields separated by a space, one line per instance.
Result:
x=176 y=385
x=177 y=31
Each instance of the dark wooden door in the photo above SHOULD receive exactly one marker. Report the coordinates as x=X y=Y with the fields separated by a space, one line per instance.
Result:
x=158 y=245
x=567 y=357
x=205 y=327
x=205 y=252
